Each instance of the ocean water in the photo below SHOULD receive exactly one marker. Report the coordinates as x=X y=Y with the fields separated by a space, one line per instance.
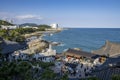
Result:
x=87 y=39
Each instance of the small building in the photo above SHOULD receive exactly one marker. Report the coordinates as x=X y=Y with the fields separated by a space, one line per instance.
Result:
x=17 y=55
x=30 y=27
x=9 y=27
x=41 y=57
x=50 y=51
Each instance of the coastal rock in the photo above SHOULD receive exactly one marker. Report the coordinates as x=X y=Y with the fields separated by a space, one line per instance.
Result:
x=110 y=49
x=37 y=45
x=55 y=43
x=34 y=34
x=78 y=49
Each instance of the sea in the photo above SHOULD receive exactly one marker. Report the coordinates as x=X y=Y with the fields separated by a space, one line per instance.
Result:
x=87 y=39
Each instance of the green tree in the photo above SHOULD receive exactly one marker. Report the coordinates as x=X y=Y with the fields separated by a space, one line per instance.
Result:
x=116 y=77
x=90 y=78
x=64 y=77
x=15 y=71
x=48 y=75
x=2 y=22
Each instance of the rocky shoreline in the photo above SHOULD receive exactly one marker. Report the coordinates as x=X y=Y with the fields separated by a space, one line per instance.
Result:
x=32 y=46
x=40 y=33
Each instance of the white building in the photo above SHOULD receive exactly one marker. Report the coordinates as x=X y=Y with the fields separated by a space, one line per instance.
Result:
x=30 y=27
x=49 y=52
x=9 y=27
x=38 y=55
x=54 y=26
x=18 y=55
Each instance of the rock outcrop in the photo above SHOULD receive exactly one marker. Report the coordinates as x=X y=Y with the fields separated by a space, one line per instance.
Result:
x=110 y=49
x=37 y=45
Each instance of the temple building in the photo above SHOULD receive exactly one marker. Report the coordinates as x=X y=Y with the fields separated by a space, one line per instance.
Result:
x=84 y=56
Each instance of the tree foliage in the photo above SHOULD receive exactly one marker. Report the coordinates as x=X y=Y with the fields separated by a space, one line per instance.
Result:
x=2 y=22
x=116 y=77
x=90 y=78
x=43 y=26
x=64 y=77
x=44 y=64
x=16 y=34
x=48 y=75
x=14 y=71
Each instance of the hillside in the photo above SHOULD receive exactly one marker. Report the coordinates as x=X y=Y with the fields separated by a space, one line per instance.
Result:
x=28 y=24
x=110 y=49
x=34 y=25
x=2 y=22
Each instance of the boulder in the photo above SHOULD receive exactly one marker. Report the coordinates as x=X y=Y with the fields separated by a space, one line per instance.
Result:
x=37 y=45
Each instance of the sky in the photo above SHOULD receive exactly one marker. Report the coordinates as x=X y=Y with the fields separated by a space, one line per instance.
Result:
x=67 y=13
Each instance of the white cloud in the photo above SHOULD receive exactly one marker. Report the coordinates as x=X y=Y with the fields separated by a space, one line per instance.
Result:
x=5 y=15
x=24 y=17
x=18 y=18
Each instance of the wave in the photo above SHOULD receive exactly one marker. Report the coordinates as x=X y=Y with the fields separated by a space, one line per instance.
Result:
x=61 y=44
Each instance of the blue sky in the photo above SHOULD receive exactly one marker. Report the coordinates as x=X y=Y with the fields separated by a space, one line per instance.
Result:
x=67 y=13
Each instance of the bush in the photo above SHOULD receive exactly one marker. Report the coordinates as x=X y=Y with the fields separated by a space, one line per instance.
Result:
x=116 y=77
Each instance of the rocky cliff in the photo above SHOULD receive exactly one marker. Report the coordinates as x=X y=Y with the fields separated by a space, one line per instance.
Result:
x=110 y=49
x=37 y=45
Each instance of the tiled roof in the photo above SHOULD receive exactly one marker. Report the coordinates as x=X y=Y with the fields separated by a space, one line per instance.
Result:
x=106 y=74
x=9 y=46
x=73 y=52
